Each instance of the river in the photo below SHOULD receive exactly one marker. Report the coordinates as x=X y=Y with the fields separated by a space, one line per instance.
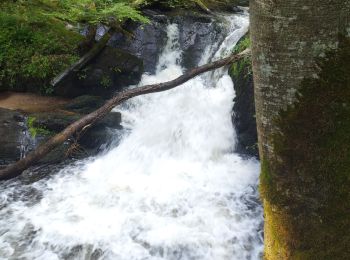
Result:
x=172 y=187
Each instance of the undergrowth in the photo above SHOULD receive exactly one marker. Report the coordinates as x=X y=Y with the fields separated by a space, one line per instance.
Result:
x=33 y=47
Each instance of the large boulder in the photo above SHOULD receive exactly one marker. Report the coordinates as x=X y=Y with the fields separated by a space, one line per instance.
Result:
x=41 y=126
x=147 y=41
x=24 y=132
x=84 y=104
x=109 y=72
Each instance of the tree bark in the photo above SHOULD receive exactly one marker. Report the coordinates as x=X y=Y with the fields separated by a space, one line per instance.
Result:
x=83 y=61
x=17 y=168
x=287 y=37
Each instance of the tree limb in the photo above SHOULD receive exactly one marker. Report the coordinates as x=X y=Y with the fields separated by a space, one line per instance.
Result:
x=17 y=168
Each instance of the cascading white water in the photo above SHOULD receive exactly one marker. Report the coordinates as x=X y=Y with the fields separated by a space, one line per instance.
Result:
x=172 y=189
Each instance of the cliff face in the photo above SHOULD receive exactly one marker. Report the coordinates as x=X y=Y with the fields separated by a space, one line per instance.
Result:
x=302 y=138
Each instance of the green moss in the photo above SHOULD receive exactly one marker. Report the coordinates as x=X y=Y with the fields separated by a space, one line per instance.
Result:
x=265 y=175
x=242 y=45
x=106 y=81
x=193 y=4
x=307 y=182
x=34 y=47
x=243 y=66
x=35 y=130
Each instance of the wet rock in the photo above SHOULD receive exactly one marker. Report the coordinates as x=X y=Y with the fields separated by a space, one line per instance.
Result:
x=89 y=142
x=196 y=30
x=242 y=2
x=12 y=127
x=109 y=72
x=244 y=116
x=84 y=104
x=24 y=132
x=57 y=155
x=53 y=121
x=147 y=41
x=244 y=108
x=57 y=121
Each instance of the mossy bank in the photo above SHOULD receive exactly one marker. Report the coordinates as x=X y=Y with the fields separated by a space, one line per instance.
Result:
x=34 y=47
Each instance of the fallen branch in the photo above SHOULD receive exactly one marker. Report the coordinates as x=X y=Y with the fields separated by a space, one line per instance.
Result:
x=17 y=168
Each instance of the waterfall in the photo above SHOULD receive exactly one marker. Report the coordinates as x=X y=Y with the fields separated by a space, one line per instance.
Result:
x=173 y=188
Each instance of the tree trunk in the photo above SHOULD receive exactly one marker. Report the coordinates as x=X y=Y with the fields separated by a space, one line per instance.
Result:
x=17 y=168
x=287 y=36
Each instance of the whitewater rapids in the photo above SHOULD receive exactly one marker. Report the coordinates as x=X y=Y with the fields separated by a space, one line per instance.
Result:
x=173 y=188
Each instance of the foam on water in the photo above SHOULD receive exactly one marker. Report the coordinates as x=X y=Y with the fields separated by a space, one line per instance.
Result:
x=172 y=189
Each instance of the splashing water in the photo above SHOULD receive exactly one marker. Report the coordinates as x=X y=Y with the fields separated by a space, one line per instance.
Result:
x=172 y=189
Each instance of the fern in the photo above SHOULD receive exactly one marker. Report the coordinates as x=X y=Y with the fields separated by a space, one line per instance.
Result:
x=96 y=11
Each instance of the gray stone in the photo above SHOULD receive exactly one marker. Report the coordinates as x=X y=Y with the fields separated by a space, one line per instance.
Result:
x=12 y=128
x=85 y=104
x=147 y=41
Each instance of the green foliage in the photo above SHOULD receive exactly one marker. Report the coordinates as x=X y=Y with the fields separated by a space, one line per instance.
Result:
x=188 y=4
x=34 y=131
x=106 y=81
x=110 y=12
x=33 y=47
x=35 y=44
x=242 y=45
x=243 y=66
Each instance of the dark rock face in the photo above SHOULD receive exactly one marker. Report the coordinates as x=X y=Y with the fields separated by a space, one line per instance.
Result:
x=85 y=104
x=93 y=138
x=109 y=72
x=244 y=106
x=89 y=142
x=147 y=41
x=244 y=116
x=242 y=2
x=196 y=31
x=124 y=60
x=57 y=121
x=23 y=133
x=12 y=133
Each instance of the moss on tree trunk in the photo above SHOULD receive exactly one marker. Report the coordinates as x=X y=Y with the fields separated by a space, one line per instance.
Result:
x=305 y=149
x=305 y=185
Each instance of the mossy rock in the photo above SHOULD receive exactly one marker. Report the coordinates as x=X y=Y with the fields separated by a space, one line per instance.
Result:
x=243 y=116
x=11 y=131
x=34 y=46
